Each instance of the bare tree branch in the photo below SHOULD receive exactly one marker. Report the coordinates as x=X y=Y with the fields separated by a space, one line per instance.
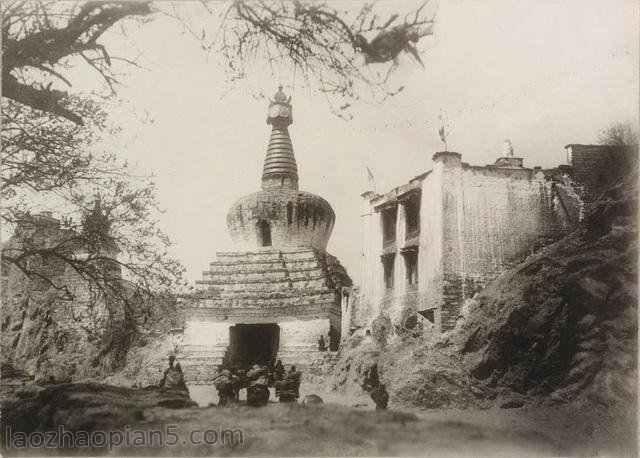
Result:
x=31 y=39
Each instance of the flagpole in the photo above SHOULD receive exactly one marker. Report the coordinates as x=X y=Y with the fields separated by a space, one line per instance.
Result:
x=371 y=179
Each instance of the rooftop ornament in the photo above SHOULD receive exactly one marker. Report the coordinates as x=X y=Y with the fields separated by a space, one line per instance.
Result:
x=507 y=149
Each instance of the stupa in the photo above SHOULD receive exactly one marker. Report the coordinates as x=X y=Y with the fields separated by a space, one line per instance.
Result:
x=279 y=290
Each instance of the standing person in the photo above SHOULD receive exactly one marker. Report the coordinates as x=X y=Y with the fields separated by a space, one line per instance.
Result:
x=322 y=346
x=173 y=378
x=294 y=375
x=226 y=384
x=289 y=388
x=242 y=382
x=278 y=370
x=258 y=390
x=380 y=396
x=377 y=391
x=271 y=378
x=333 y=338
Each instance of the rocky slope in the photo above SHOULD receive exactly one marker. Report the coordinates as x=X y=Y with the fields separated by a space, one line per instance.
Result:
x=564 y=323
x=40 y=333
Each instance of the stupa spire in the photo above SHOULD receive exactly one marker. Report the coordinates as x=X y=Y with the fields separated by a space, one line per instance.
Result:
x=280 y=168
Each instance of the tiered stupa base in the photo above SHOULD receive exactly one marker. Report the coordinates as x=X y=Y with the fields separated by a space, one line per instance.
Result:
x=281 y=301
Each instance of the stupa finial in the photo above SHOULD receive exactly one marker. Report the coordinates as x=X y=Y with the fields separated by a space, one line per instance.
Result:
x=280 y=168
x=280 y=96
x=280 y=109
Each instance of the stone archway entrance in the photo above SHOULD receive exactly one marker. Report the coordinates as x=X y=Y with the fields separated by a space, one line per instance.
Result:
x=253 y=343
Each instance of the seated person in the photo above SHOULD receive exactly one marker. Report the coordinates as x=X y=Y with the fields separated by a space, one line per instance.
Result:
x=173 y=378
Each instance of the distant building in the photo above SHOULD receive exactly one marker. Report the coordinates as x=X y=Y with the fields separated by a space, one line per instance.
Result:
x=52 y=330
x=432 y=243
x=279 y=291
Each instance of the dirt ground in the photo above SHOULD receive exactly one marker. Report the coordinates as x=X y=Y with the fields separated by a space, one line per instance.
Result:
x=565 y=430
x=342 y=426
x=333 y=430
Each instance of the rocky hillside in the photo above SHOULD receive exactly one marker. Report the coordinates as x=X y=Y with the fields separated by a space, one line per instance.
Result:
x=561 y=326
x=40 y=333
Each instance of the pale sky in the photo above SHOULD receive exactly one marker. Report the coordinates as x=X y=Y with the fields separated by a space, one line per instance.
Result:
x=540 y=73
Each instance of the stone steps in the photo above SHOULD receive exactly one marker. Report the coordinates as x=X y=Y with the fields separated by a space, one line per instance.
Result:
x=317 y=282
x=265 y=279
x=263 y=271
x=277 y=271
x=302 y=298
x=288 y=293
x=266 y=274
x=241 y=264
x=300 y=258
x=265 y=255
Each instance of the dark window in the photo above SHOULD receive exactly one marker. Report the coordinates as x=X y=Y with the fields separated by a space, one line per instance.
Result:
x=388 y=267
x=389 y=224
x=264 y=233
x=412 y=215
x=411 y=264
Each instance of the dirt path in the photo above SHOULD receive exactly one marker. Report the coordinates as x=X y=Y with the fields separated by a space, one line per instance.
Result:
x=334 y=428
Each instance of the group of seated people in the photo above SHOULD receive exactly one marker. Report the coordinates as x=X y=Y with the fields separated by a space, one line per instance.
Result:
x=257 y=379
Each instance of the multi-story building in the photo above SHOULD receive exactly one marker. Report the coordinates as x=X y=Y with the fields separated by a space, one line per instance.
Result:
x=433 y=242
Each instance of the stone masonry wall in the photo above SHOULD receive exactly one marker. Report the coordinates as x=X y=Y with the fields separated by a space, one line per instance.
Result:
x=299 y=289
x=494 y=217
x=202 y=347
x=204 y=343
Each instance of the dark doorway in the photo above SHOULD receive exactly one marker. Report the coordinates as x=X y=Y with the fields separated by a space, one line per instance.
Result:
x=264 y=233
x=253 y=343
x=411 y=265
x=388 y=264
